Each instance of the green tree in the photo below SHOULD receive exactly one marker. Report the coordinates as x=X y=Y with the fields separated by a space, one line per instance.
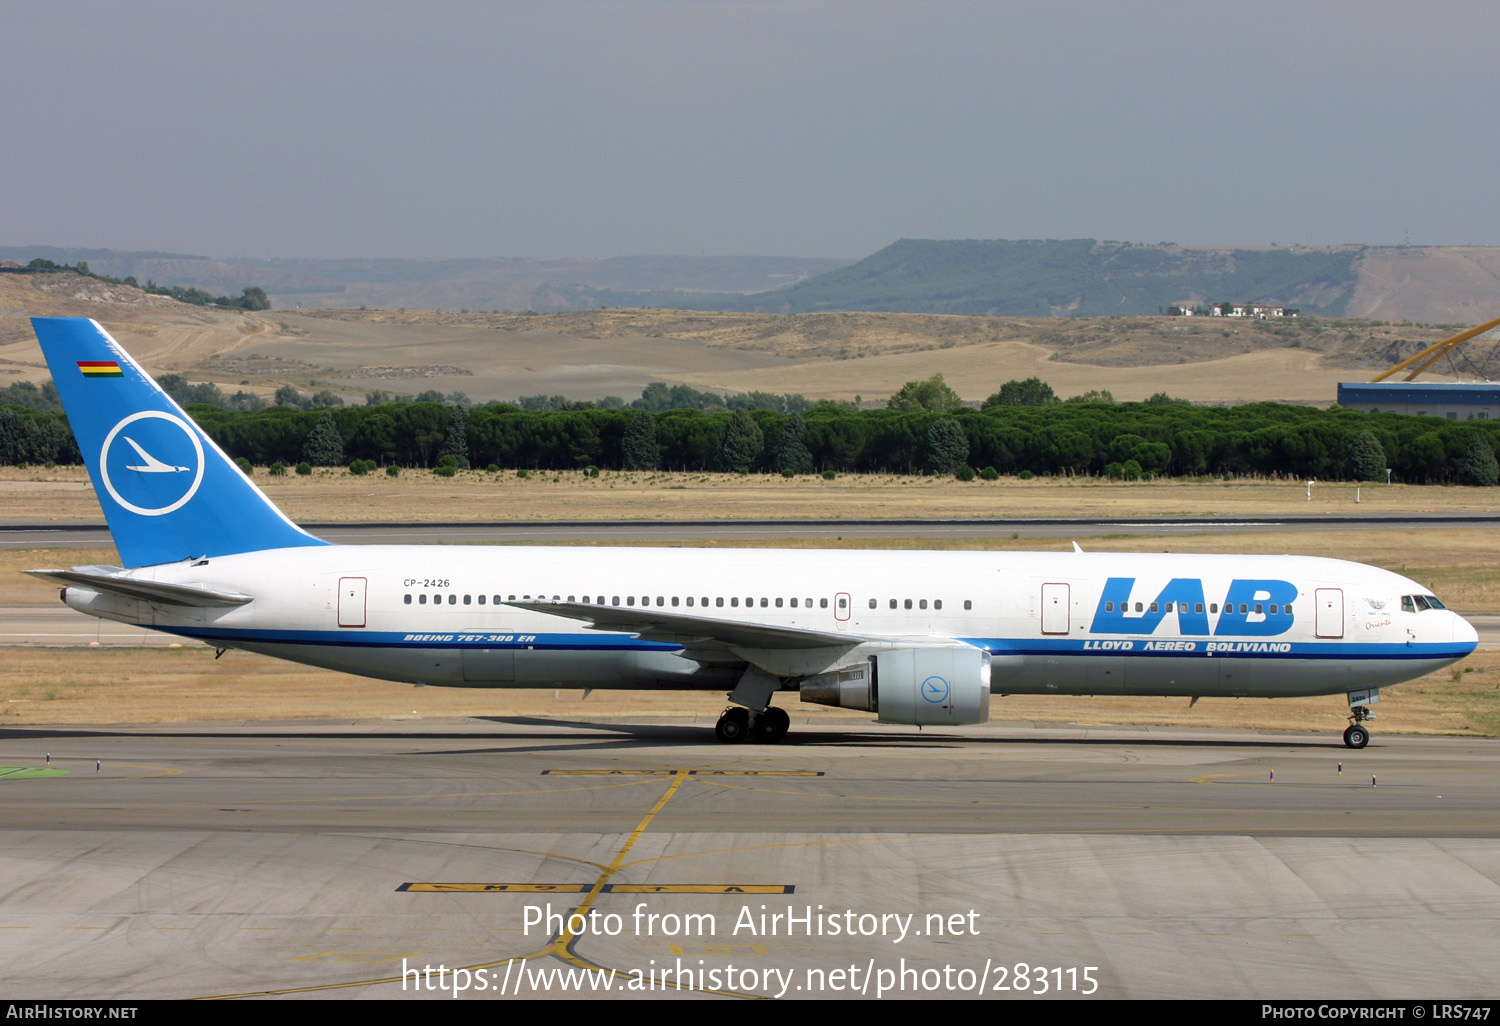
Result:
x=792 y=454
x=932 y=395
x=456 y=444
x=1031 y=392
x=1365 y=457
x=1478 y=466
x=639 y=448
x=741 y=445
x=947 y=447
x=1093 y=395
x=324 y=446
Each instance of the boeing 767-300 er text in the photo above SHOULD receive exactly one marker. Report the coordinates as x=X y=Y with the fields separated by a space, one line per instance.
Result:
x=916 y=637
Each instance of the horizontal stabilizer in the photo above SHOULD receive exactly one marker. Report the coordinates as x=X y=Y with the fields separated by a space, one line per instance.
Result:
x=114 y=579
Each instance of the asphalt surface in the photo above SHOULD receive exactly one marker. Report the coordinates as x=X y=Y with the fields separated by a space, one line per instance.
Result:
x=32 y=535
x=322 y=860
x=319 y=860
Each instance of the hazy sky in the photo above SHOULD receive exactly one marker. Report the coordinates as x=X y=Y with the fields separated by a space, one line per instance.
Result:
x=348 y=128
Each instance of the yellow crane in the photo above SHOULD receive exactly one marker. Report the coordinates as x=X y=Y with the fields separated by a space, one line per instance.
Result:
x=1427 y=357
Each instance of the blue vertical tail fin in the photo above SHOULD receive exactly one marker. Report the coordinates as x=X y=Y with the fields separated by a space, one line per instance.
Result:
x=168 y=492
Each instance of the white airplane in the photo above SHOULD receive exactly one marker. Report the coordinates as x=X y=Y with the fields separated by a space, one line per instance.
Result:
x=918 y=638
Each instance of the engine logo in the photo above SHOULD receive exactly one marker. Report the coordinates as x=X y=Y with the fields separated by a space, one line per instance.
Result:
x=935 y=690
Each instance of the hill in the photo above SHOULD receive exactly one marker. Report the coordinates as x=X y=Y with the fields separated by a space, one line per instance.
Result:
x=1075 y=277
x=589 y=354
x=492 y=284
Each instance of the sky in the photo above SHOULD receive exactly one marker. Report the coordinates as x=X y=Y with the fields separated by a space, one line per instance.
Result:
x=596 y=128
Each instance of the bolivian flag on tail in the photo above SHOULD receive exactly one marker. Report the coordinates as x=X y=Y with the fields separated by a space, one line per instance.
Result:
x=100 y=369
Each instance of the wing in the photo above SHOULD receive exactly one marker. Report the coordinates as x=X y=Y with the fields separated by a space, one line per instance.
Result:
x=692 y=631
x=113 y=579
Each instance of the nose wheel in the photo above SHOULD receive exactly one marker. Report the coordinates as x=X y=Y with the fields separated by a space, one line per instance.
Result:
x=1358 y=735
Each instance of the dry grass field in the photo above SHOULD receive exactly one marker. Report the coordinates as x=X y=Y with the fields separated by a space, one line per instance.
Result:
x=64 y=494
x=593 y=353
x=187 y=685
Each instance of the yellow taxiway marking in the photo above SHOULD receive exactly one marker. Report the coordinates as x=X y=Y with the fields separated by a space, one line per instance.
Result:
x=561 y=946
x=612 y=888
x=691 y=773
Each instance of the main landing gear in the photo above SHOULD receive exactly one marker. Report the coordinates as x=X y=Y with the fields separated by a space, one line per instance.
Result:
x=739 y=724
x=753 y=716
x=1358 y=735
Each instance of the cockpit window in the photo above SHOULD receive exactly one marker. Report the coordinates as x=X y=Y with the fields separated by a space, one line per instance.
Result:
x=1420 y=603
x=1433 y=603
x=1407 y=605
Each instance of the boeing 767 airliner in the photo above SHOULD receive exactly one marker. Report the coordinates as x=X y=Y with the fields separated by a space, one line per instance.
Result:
x=915 y=637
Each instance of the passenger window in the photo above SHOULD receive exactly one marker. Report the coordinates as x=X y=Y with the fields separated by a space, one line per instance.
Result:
x=822 y=603
x=719 y=602
x=1153 y=607
x=614 y=600
x=466 y=600
x=421 y=600
x=1259 y=609
x=908 y=603
x=778 y=603
x=893 y=603
x=764 y=603
x=674 y=601
x=408 y=600
x=937 y=603
x=1244 y=608
x=734 y=602
x=968 y=604
x=1197 y=607
x=1213 y=607
x=702 y=603
x=872 y=604
x=1138 y=607
x=794 y=603
x=1109 y=607
x=481 y=600
x=922 y=604
x=806 y=602
x=497 y=600
x=1273 y=609
x=453 y=600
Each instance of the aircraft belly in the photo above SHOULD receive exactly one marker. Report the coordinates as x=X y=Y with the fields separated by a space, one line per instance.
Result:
x=407 y=665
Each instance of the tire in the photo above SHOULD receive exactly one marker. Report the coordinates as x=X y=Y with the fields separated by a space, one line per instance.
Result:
x=771 y=726
x=733 y=727
x=1356 y=736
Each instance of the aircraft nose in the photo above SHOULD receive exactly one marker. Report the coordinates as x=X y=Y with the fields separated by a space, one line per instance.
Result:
x=1464 y=632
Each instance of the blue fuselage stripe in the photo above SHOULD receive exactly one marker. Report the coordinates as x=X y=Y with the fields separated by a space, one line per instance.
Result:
x=605 y=642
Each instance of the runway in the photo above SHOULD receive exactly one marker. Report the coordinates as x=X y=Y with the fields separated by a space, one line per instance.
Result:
x=319 y=861
x=27 y=535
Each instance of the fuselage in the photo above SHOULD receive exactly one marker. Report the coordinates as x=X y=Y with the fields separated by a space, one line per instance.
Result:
x=1053 y=622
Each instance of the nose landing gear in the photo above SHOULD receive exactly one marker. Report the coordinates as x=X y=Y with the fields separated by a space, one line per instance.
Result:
x=1358 y=735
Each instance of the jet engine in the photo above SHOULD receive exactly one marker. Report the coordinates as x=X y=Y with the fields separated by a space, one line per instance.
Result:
x=947 y=687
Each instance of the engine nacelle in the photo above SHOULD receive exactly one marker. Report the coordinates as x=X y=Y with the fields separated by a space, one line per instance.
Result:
x=945 y=687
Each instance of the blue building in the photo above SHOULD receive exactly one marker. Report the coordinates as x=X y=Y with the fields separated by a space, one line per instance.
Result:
x=1455 y=401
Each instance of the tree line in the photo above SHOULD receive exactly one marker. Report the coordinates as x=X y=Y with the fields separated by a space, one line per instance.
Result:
x=1125 y=440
